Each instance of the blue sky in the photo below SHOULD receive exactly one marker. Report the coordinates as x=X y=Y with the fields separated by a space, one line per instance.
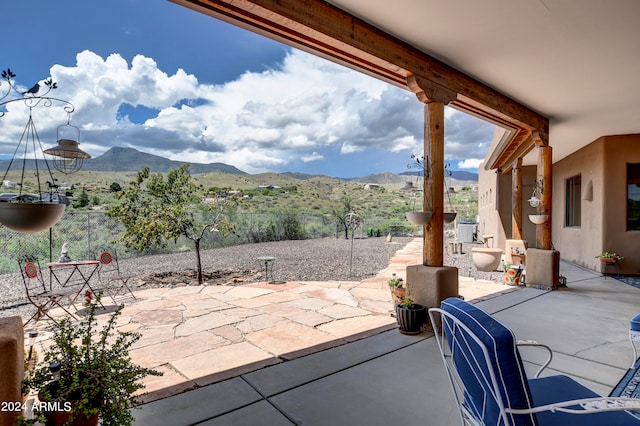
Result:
x=161 y=78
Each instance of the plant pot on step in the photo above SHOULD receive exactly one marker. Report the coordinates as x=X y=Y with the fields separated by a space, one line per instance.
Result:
x=411 y=319
x=397 y=294
x=60 y=411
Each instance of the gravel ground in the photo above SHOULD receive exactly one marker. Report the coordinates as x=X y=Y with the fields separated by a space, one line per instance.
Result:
x=303 y=260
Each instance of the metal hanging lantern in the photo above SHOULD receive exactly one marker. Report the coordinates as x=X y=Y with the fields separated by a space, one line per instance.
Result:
x=67 y=157
x=32 y=209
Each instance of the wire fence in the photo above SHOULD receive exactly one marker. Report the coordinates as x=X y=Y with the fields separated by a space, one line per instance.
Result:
x=88 y=232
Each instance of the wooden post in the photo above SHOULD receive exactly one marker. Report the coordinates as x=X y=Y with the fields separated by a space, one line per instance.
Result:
x=544 y=179
x=435 y=97
x=434 y=184
x=516 y=200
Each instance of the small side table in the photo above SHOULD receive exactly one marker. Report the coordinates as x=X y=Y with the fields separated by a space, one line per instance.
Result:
x=267 y=260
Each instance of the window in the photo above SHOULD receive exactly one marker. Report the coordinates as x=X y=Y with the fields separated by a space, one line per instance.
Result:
x=572 y=201
x=633 y=197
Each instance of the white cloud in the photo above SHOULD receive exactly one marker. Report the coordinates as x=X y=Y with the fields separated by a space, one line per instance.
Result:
x=472 y=163
x=258 y=122
x=313 y=157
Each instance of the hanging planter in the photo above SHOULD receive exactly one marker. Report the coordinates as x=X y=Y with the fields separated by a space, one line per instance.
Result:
x=37 y=210
x=538 y=219
x=30 y=217
x=449 y=216
x=419 y=218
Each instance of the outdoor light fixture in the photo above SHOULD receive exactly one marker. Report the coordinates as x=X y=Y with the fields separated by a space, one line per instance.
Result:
x=66 y=156
x=538 y=189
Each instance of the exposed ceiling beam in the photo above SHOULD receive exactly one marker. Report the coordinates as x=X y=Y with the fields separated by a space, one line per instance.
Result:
x=325 y=30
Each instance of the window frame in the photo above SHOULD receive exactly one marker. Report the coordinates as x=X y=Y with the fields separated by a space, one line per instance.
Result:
x=573 y=202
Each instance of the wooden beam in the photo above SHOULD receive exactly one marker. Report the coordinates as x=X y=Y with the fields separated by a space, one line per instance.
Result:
x=321 y=28
x=434 y=184
x=516 y=200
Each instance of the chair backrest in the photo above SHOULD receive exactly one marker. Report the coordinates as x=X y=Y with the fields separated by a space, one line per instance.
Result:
x=483 y=364
x=108 y=260
x=31 y=275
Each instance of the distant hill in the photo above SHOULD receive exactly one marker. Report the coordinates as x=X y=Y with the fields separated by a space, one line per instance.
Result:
x=119 y=159
x=380 y=178
x=455 y=174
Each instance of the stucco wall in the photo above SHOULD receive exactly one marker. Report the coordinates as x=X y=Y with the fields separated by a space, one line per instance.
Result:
x=494 y=206
x=602 y=165
x=489 y=207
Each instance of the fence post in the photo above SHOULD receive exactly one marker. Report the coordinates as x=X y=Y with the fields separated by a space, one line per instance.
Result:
x=88 y=235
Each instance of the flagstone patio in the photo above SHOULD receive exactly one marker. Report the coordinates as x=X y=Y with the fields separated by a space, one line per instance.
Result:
x=198 y=335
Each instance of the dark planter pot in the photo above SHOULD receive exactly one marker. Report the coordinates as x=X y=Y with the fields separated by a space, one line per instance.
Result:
x=411 y=320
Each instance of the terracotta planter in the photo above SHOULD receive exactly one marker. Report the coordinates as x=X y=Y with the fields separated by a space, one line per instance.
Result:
x=411 y=320
x=397 y=293
x=608 y=260
x=59 y=418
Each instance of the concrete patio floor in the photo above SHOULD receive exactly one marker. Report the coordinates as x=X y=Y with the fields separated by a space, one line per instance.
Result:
x=329 y=352
x=389 y=378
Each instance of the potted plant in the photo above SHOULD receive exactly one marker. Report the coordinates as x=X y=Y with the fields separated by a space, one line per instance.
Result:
x=397 y=289
x=88 y=374
x=610 y=257
x=410 y=315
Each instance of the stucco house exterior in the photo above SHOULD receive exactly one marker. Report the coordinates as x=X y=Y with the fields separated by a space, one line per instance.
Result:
x=557 y=77
x=596 y=194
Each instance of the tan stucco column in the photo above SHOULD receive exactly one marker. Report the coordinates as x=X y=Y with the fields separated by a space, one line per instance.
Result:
x=431 y=282
x=11 y=366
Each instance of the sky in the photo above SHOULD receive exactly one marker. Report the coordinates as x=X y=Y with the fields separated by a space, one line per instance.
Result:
x=163 y=79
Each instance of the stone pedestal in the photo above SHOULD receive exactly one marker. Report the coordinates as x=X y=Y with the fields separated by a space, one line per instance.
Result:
x=11 y=365
x=543 y=268
x=430 y=285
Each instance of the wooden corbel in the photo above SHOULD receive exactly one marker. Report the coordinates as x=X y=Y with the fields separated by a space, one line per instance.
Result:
x=427 y=91
x=540 y=138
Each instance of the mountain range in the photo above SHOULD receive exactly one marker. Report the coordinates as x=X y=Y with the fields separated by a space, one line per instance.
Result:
x=120 y=159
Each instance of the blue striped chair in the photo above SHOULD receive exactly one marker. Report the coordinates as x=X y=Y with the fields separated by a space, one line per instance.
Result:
x=491 y=387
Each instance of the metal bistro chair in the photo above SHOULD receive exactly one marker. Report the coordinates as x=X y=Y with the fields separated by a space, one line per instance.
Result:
x=490 y=385
x=111 y=277
x=38 y=293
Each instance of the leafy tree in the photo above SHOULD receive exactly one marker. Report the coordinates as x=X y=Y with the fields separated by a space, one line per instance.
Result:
x=166 y=210
x=340 y=211
x=82 y=201
x=115 y=187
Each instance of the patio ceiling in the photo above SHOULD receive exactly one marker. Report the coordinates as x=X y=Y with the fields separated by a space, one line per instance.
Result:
x=575 y=62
